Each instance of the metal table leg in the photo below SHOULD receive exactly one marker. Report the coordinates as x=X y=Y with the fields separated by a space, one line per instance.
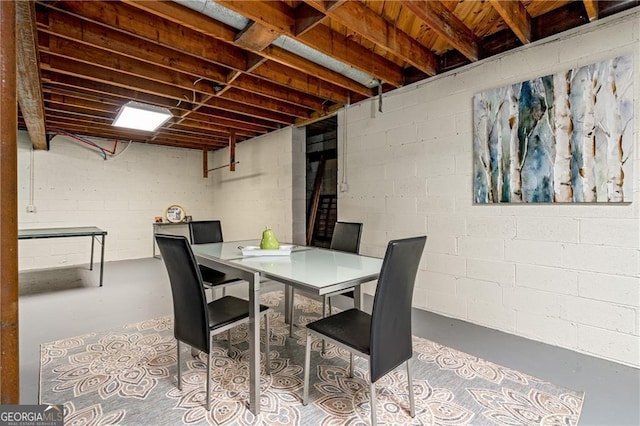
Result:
x=254 y=344
x=357 y=297
x=287 y=303
x=93 y=240
x=101 y=260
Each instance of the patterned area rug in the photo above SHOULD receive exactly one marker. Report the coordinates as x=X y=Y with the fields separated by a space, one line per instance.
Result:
x=128 y=376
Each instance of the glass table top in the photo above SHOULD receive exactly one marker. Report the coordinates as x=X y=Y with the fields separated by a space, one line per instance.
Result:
x=78 y=231
x=307 y=266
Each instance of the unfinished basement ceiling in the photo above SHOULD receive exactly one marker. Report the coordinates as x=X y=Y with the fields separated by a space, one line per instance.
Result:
x=239 y=69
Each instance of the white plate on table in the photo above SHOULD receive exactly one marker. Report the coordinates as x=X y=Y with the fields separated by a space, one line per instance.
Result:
x=284 y=250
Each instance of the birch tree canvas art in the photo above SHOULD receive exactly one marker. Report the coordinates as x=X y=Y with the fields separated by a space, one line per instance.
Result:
x=561 y=138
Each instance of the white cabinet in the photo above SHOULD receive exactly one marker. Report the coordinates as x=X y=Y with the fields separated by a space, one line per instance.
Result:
x=168 y=228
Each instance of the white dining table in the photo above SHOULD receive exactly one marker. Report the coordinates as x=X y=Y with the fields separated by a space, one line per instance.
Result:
x=311 y=269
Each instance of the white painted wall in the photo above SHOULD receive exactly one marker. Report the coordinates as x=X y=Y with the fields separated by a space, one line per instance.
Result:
x=567 y=275
x=74 y=186
x=261 y=192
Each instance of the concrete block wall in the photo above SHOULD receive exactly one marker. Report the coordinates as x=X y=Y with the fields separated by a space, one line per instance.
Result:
x=568 y=275
x=261 y=192
x=74 y=186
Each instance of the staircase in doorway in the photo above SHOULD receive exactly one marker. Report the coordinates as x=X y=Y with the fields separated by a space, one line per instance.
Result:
x=326 y=218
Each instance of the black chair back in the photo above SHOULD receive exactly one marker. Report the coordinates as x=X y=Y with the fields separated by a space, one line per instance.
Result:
x=391 y=315
x=191 y=319
x=346 y=237
x=205 y=231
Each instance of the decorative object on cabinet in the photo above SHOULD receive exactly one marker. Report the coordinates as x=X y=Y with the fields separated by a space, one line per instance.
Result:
x=175 y=214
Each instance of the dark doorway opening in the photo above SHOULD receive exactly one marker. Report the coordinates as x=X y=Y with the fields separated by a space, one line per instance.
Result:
x=322 y=181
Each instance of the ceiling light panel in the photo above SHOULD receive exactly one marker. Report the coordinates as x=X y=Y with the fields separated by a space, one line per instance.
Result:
x=138 y=116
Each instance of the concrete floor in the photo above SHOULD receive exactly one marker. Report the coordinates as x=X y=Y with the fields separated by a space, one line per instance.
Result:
x=61 y=303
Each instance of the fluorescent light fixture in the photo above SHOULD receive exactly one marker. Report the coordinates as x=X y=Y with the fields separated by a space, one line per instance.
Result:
x=135 y=115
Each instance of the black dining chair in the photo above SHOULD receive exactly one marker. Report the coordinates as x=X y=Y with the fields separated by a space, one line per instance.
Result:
x=346 y=237
x=384 y=337
x=205 y=232
x=195 y=320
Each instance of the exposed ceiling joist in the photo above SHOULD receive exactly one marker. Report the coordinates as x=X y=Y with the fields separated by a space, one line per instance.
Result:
x=29 y=87
x=250 y=67
x=280 y=18
x=255 y=37
x=516 y=17
x=447 y=25
x=359 y=18
x=593 y=10
x=185 y=17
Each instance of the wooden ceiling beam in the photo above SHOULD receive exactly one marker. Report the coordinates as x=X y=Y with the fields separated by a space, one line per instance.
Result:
x=447 y=25
x=70 y=115
x=65 y=117
x=195 y=139
x=254 y=84
x=593 y=9
x=341 y=47
x=213 y=145
x=74 y=29
x=67 y=26
x=516 y=17
x=100 y=132
x=91 y=72
x=306 y=17
x=210 y=27
x=73 y=124
x=172 y=11
x=318 y=116
x=303 y=69
x=111 y=62
x=100 y=129
x=196 y=127
x=108 y=61
x=165 y=32
x=244 y=109
x=78 y=93
x=276 y=15
x=97 y=90
x=92 y=87
x=82 y=103
x=29 y=87
x=255 y=37
x=279 y=17
x=81 y=108
x=370 y=25
x=64 y=64
x=225 y=118
x=259 y=101
x=67 y=114
x=62 y=24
